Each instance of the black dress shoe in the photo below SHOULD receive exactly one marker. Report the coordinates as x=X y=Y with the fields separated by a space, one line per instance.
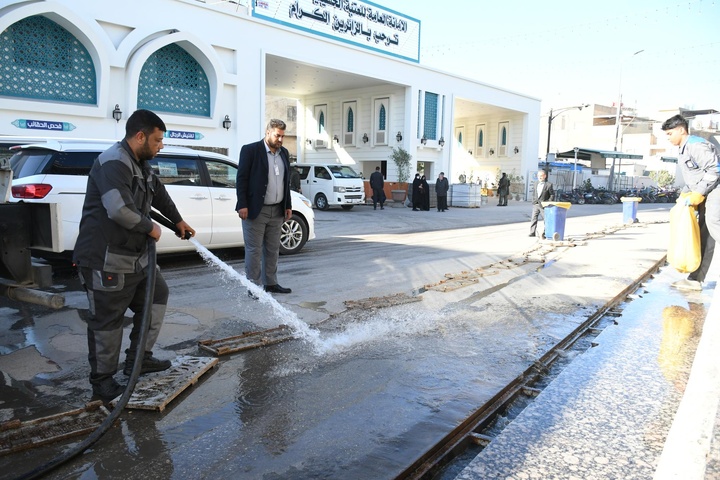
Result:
x=277 y=289
x=531 y=235
x=252 y=295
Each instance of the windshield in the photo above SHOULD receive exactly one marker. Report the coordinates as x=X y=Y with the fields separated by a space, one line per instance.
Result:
x=343 y=171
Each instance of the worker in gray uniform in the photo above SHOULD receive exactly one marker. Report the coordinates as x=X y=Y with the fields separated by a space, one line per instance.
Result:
x=698 y=160
x=111 y=251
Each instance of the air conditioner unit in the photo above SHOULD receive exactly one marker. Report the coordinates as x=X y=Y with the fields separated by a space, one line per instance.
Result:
x=320 y=143
x=502 y=151
x=380 y=137
x=349 y=139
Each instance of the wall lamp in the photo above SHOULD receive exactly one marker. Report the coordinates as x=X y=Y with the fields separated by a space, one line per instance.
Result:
x=441 y=142
x=117 y=113
x=470 y=152
x=227 y=123
x=336 y=139
x=516 y=150
x=365 y=138
x=423 y=140
x=492 y=152
x=308 y=141
x=398 y=137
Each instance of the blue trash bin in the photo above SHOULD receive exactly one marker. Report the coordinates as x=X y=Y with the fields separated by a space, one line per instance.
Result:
x=555 y=215
x=630 y=205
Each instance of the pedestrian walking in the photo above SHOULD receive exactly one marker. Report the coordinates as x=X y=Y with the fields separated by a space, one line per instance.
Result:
x=503 y=190
x=543 y=192
x=377 y=184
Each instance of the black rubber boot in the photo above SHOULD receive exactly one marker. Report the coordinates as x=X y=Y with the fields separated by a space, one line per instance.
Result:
x=149 y=363
x=105 y=388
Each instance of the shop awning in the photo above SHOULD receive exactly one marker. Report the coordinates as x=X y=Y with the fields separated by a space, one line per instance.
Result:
x=598 y=158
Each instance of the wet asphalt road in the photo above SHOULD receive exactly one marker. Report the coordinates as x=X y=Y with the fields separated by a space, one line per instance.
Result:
x=389 y=383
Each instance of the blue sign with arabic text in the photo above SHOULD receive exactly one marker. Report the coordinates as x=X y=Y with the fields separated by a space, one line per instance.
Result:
x=43 y=125
x=176 y=134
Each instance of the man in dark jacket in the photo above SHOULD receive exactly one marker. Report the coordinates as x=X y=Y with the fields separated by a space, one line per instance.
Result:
x=263 y=204
x=441 y=190
x=543 y=192
x=377 y=183
x=503 y=190
x=111 y=250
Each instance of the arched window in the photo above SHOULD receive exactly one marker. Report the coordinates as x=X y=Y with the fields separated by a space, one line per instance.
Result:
x=350 y=119
x=173 y=81
x=41 y=60
x=321 y=122
x=460 y=139
x=503 y=137
x=382 y=118
x=481 y=136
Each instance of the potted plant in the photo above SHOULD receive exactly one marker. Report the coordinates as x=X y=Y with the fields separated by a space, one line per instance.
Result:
x=402 y=159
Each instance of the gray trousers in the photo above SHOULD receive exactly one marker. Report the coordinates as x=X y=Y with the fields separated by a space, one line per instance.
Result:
x=109 y=297
x=262 y=244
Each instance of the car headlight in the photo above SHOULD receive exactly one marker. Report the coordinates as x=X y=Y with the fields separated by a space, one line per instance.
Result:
x=305 y=200
x=339 y=189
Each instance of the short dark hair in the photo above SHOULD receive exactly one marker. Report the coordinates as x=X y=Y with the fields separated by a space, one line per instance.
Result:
x=675 y=121
x=377 y=168
x=276 y=123
x=143 y=121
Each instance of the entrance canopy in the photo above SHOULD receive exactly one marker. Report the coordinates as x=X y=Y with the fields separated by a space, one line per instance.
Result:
x=598 y=158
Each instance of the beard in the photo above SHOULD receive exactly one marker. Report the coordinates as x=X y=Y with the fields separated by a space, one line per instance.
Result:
x=146 y=152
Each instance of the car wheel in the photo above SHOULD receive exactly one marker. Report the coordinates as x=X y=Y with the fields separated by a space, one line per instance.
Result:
x=347 y=207
x=321 y=202
x=293 y=235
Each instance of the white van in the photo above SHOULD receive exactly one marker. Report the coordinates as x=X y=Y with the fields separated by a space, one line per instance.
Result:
x=330 y=184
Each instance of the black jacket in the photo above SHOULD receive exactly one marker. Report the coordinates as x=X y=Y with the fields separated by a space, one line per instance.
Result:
x=252 y=178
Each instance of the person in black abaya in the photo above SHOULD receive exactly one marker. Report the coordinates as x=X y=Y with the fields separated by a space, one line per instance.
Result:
x=425 y=191
x=416 y=196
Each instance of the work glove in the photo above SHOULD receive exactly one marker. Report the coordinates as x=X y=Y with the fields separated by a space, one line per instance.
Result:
x=690 y=199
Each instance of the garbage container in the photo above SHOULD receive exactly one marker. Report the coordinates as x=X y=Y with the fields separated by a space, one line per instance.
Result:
x=555 y=214
x=630 y=209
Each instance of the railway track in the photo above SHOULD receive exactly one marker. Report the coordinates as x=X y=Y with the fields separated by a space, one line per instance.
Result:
x=479 y=429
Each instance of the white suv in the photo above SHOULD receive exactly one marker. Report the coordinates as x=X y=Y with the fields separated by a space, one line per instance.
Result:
x=202 y=185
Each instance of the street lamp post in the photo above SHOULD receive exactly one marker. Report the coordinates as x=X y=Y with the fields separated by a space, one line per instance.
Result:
x=576 y=149
x=553 y=114
x=618 y=116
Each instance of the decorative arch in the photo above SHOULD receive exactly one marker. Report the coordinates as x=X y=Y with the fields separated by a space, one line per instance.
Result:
x=43 y=61
x=172 y=81
x=141 y=46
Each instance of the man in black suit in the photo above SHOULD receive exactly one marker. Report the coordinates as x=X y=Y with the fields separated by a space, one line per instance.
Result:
x=377 y=182
x=543 y=192
x=263 y=204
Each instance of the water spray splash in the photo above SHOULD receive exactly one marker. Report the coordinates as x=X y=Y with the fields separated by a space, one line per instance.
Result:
x=401 y=323
x=290 y=318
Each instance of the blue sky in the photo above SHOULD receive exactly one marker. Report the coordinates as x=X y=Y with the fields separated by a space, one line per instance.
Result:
x=570 y=52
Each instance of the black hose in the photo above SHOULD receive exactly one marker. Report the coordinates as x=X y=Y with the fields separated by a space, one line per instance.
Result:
x=132 y=381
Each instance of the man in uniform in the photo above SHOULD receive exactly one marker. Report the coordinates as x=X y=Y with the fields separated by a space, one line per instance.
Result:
x=111 y=251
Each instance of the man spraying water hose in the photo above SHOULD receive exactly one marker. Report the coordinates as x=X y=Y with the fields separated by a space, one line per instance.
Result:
x=111 y=250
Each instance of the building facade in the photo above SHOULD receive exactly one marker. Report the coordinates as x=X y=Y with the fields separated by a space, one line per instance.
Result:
x=215 y=71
